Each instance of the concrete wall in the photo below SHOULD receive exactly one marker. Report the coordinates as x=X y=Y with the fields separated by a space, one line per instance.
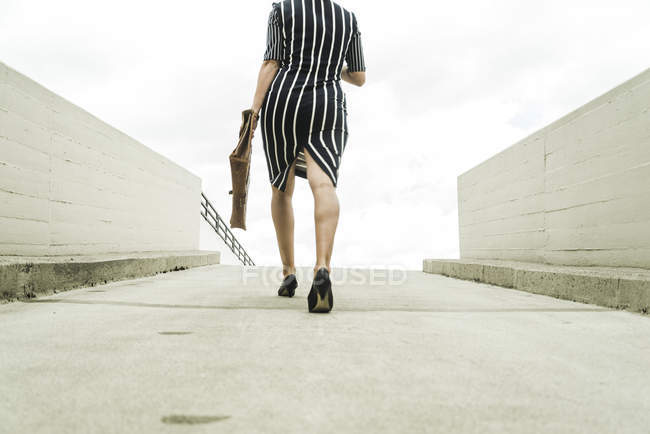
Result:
x=575 y=193
x=71 y=184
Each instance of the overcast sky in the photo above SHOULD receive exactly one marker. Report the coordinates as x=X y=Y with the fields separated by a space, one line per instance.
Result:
x=449 y=85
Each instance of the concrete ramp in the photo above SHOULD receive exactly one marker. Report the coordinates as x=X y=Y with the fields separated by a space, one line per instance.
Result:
x=213 y=349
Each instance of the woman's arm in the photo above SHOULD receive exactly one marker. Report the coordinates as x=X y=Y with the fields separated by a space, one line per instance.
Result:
x=356 y=78
x=267 y=73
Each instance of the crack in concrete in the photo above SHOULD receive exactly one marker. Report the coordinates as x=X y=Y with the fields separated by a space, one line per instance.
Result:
x=183 y=419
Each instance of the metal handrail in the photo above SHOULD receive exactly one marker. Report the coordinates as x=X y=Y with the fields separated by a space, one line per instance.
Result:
x=216 y=222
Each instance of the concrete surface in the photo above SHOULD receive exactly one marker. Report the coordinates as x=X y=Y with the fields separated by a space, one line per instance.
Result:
x=24 y=277
x=574 y=193
x=201 y=351
x=615 y=287
x=71 y=184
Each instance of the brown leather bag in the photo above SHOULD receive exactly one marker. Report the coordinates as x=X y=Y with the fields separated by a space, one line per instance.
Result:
x=240 y=164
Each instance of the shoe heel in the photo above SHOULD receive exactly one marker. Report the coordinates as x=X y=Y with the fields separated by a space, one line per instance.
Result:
x=288 y=288
x=321 y=299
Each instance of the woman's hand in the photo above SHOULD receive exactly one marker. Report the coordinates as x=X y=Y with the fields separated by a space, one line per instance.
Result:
x=255 y=117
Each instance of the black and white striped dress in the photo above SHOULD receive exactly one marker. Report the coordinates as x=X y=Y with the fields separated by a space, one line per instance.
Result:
x=305 y=105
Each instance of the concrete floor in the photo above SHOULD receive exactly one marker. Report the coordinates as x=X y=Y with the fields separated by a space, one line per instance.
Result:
x=201 y=351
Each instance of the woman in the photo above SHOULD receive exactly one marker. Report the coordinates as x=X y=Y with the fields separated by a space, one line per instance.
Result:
x=302 y=111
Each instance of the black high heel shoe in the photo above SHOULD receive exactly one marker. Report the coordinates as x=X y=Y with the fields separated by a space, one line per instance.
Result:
x=288 y=287
x=321 y=299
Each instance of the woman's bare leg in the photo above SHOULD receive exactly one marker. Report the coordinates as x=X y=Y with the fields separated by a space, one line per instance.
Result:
x=326 y=211
x=282 y=212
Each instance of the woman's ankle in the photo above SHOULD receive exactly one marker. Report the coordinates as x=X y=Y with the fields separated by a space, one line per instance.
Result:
x=318 y=267
x=288 y=270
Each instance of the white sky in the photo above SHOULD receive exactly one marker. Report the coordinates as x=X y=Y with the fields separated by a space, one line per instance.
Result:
x=449 y=85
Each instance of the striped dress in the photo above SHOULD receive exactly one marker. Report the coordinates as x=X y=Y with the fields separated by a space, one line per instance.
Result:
x=305 y=105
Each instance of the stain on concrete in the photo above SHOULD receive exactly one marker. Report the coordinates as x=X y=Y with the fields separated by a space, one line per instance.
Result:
x=182 y=268
x=28 y=290
x=174 y=333
x=183 y=419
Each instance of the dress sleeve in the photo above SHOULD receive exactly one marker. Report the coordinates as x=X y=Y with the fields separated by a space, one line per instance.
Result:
x=274 y=39
x=354 y=56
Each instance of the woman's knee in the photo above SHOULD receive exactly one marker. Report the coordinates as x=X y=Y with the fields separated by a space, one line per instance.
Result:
x=281 y=196
x=322 y=184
